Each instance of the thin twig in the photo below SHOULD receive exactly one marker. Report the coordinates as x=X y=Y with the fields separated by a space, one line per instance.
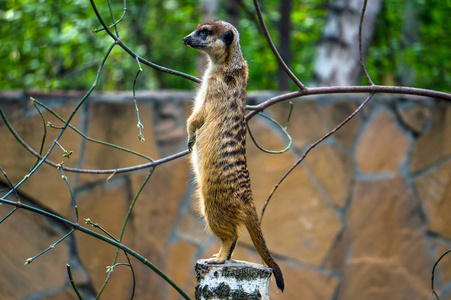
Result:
x=72 y=282
x=140 y=125
x=31 y=259
x=360 y=44
x=133 y=275
x=433 y=273
x=10 y=183
x=95 y=225
x=45 y=131
x=310 y=148
x=15 y=193
x=290 y=140
x=112 y=18
x=72 y=197
x=9 y=214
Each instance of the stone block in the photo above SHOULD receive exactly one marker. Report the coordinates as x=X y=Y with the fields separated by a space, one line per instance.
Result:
x=304 y=283
x=414 y=115
x=337 y=258
x=435 y=144
x=380 y=279
x=170 y=128
x=382 y=145
x=25 y=235
x=388 y=256
x=434 y=191
x=333 y=168
x=336 y=113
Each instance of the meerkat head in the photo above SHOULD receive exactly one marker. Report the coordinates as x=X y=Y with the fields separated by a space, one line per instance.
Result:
x=216 y=38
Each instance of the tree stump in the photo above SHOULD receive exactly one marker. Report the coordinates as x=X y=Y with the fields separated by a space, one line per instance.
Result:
x=232 y=280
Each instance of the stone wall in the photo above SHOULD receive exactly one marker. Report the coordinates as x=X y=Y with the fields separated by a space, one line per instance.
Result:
x=365 y=216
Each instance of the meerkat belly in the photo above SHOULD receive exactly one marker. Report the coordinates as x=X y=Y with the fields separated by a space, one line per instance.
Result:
x=220 y=159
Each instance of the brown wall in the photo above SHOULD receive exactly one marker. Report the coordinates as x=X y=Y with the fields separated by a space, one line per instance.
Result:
x=365 y=216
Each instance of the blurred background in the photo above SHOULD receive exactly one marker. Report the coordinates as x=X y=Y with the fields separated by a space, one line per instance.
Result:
x=365 y=216
x=51 y=46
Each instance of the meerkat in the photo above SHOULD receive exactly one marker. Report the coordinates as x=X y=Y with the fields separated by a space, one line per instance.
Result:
x=217 y=140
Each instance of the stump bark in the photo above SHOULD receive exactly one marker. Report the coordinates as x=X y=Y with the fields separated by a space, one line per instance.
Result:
x=232 y=280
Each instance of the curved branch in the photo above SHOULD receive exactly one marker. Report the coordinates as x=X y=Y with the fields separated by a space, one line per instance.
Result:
x=433 y=272
x=374 y=89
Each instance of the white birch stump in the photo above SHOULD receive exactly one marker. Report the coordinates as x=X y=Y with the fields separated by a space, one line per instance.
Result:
x=233 y=280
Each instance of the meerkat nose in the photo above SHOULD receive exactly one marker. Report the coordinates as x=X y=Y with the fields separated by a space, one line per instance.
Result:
x=186 y=39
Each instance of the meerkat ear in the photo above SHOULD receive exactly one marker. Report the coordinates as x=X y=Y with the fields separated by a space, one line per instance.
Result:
x=227 y=37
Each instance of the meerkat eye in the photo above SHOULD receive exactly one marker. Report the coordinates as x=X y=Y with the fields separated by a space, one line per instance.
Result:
x=204 y=32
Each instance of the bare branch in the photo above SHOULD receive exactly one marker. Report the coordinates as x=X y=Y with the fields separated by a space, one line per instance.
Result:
x=347 y=89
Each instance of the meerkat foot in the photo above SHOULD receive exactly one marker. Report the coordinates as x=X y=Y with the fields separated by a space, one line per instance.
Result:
x=225 y=253
x=215 y=261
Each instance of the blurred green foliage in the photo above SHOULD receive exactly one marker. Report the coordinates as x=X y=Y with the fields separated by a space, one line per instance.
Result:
x=412 y=50
x=50 y=45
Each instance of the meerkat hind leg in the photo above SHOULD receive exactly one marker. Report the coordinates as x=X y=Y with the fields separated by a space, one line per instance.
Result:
x=225 y=253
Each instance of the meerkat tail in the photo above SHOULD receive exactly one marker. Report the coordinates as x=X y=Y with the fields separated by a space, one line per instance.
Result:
x=253 y=226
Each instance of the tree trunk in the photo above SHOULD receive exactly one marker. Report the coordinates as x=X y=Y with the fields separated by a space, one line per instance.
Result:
x=410 y=36
x=233 y=12
x=209 y=12
x=284 y=43
x=337 y=61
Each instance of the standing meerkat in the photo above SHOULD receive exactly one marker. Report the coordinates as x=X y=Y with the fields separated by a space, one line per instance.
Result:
x=217 y=138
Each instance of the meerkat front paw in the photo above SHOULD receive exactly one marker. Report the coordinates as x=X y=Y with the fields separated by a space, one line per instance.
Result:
x=191 y=141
